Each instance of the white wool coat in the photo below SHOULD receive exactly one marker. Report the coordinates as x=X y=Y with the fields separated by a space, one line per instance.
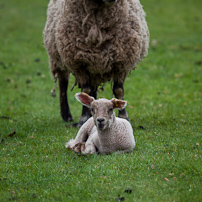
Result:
x=100 y=43
x=118 y=138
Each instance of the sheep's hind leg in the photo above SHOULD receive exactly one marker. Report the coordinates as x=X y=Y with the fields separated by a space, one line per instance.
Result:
x=118 y=91
x=64 y=106
x=86 y=114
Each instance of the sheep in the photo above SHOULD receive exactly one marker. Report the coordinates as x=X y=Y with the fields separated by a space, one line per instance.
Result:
x=97 y=41
x=103 y=133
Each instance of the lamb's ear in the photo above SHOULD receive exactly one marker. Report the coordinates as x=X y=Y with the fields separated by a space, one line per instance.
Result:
x=120 y=104
x=84 y=99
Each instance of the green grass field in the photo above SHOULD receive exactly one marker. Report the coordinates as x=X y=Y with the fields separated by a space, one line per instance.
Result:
x=164 y=97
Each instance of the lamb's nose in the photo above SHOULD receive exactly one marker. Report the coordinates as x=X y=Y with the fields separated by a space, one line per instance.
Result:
x=100 y=120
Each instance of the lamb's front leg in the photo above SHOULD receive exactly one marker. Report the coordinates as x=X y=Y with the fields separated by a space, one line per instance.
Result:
x=79 y=147
x=89 y=147
x=81 y=137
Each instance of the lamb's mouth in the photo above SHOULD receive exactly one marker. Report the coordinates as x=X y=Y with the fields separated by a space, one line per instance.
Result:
x=101 y=126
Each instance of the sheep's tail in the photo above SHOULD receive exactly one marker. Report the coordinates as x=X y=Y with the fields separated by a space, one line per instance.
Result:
x=53 y=94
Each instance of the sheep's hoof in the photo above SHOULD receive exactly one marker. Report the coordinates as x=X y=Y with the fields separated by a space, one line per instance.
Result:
x=75 y=125
x=83 y=119
x=65 y=113
x=68 y=118
x=80 y=124
x=123 y=114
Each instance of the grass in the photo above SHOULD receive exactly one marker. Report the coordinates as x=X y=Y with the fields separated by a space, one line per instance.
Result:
x=164 y=104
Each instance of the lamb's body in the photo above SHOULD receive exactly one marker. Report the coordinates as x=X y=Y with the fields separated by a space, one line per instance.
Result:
x=113 y=135
x=95 y=42
x=119 y=137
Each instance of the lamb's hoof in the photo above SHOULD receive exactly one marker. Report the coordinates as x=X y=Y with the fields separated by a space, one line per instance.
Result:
x=79 y=147
x=83 y=147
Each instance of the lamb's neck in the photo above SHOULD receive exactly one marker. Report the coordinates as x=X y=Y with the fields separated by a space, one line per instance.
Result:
x=106 y=134
x=103 y=134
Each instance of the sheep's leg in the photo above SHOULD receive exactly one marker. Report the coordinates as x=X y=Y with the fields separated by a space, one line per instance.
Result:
x=64 y=106
x=118 y=91
x=86 y=114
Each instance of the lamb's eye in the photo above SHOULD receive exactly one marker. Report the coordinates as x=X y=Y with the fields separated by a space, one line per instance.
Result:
x=92 y=110
x=110 y=109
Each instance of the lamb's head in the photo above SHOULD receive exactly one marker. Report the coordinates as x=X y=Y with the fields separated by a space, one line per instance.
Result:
x=102 y=109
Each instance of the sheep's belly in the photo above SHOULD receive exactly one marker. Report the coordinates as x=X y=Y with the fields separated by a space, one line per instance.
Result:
x=104 y=62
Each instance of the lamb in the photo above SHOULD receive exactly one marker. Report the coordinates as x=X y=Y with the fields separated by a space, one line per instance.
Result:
x=97 y=41
x=103 y=132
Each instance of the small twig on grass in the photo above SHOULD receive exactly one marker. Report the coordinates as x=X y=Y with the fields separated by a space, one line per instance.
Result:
x=12 y=134
x=7 y=117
